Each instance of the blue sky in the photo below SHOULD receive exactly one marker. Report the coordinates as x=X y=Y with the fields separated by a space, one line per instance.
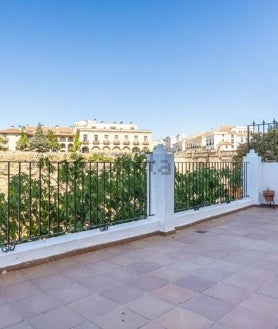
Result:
x=172 y=66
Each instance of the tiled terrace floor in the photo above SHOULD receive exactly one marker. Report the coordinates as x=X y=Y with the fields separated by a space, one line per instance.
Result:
x=224 y=278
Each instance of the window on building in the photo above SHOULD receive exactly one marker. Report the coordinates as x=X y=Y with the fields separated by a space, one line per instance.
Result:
x=95 y=138
x=85 y=138
x=116 y=137
x=62 y=139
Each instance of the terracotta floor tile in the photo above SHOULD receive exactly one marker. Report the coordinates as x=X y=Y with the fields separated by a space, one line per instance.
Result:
x=181 y=318
x=104 y=266
x=13 y=293
x=220 y=326
x=122 y=294
x=195 y=283
x=153 y=325
x=173 y=294
x=60 y=318
x=92 y=306
x=262 y=304
x=270 y=289
x=149 y=307
x=98 y=282
x=70 y=292
x=212 y=273
x=144 y=267
x=148 y=282
x=86 y=325
x=227 y=292
x=120 y=318
x=21 y=325
x=210 y=307
x=50 y=282
x=11 y=278
x=244 y=281
x=242 y=318
x=37 y=271
x=168 y=274
x=77 y=273
x=35 y=305
x=8 y=317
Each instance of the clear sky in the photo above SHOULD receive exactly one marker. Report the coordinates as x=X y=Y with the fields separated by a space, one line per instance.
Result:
x=172 y=66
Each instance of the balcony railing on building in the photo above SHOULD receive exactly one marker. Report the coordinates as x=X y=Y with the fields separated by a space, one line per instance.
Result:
x=126 y=142
x=106 y=142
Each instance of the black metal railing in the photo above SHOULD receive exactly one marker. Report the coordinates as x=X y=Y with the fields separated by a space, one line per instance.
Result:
x=44 y=199
x=263 y=138
x=203 y=184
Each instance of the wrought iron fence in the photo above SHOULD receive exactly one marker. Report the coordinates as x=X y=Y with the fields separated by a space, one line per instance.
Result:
x=44 y=199
x=203 y=184
x=263 y=138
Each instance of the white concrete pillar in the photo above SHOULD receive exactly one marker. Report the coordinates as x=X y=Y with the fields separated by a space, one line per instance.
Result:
x=254 y=176
x=161 y=187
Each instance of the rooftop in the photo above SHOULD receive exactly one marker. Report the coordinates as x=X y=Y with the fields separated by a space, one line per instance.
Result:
x=222 y=273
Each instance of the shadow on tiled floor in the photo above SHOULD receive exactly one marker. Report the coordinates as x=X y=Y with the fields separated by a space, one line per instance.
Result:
x=224 y=278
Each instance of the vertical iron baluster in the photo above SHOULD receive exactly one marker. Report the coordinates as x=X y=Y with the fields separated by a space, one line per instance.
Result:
x=30 y=199
x=9 y=205
x=97 y=195
x=48 y=197
x=19 y=203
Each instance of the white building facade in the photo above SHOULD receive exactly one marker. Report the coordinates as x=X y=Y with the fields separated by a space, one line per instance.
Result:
x=112 y=138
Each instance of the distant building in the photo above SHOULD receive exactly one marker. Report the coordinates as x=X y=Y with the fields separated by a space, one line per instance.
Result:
x=11 y=136
x=101 y=137
x=95 y=137
x=224 y=138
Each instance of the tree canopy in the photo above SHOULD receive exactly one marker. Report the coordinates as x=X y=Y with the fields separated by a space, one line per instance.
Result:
x=23 y=142
x=52 y=141
x=39 y=141
x=265 y=144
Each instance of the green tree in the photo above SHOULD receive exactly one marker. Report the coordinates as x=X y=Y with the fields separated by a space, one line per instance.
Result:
x=265 y=144
x=2 y=142
x=53 y=143
x=39 y=141
x=23 y=142
x=76 y=142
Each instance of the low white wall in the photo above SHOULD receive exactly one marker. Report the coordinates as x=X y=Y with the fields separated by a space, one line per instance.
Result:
x=192 y=216
x=269 y=179
x=42 y=249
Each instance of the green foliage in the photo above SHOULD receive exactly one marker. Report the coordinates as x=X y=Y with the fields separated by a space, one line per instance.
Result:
x=76 y=143
x=23 y=142
x=75 y=156
x=71 y=196
x=100 y=158
x=39 y=141
x=206 y=186
x=53 y=143
x=2 y=143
